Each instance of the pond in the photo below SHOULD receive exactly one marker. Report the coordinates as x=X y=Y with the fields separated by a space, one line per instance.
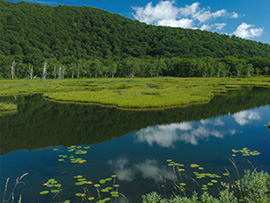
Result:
x=69 y=142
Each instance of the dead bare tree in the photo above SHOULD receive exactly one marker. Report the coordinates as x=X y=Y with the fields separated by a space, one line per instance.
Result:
x=54 y=72
x=44 y=75
x=63 y=72
x=13 y=70
x=31 y=68
x=72 y=71
x=78 y=71
x=60 y=72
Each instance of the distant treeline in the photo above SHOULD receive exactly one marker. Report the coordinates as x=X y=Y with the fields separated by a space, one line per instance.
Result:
x=31 y=67
x=90 y=42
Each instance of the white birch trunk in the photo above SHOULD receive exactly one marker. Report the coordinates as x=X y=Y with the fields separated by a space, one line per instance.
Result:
x=13 y=70
x=78 y=71
x=31 y=72
x=54 y=72
x=44 y=75
x=63 y=72
x=60 y=72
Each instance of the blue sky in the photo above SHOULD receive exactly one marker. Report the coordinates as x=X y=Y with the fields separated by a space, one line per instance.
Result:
x=247 y=19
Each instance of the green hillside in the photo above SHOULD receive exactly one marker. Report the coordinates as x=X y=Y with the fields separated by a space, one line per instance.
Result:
x=31 y=33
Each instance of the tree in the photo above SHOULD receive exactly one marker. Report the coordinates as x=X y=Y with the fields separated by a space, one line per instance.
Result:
x=266 y=70
x=239 y=68
x=44 y=74
x=13 y=69
x=258 y=71
x=250 y=69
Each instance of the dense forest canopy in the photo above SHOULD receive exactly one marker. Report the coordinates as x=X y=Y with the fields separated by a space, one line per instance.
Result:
x=90 y=42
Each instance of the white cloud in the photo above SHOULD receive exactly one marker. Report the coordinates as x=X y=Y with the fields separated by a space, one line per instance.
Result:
x=216 y=26
x=220 y=26
x=121 y=170
x=149 y=170
x=218 y=122
x=43 y=2
x=164 y=10
x=161 y=136
x=167 y=13
x=177 y=126
x=184 y=23
x=166 y=135
x=189 y=10
x=248 y=31
x=206 y=27
x=234 y=15
x=205 y=122
x=245 y=117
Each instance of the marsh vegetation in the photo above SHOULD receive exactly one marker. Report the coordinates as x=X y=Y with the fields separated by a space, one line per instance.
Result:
x=71 y=148
x=141 y=93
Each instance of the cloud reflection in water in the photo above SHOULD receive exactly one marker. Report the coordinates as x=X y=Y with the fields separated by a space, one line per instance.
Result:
x=246 y=117
x=149 y=169
x=189 y=132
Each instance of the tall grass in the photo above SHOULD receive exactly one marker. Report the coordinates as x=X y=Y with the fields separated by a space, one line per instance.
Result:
x=9 y=197
x=137 y=93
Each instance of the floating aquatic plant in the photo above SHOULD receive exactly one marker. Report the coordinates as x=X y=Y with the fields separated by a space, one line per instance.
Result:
x=53 y=187
x=194 y=165
x=101 y=187
x=73 y=151
x=245 y=152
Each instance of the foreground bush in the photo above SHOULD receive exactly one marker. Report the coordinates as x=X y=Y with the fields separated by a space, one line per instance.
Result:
x=253 y=187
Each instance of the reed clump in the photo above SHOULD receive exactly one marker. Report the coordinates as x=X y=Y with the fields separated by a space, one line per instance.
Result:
x=253 y=187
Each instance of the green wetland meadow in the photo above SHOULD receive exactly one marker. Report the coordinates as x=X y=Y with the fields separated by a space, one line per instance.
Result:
x=135 y=140
x=96 y=107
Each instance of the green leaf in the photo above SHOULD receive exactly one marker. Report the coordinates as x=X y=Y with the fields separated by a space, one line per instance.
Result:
x=44 y=192
x=79 y=194
x=79 y=183
x=55 y=191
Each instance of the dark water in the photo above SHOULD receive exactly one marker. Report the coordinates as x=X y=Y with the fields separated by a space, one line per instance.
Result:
x=132 y=145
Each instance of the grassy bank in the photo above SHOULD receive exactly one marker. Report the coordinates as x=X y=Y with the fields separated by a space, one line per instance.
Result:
x=126 y=93
x=6 y=108
x=253 y=187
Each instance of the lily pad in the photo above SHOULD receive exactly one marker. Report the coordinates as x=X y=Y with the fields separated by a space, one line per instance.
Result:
x=102 y=181
x=44 y=192
x=194 y=165
x=78 y=194
x=79 y=183
x=81 y=179
x=55 y=191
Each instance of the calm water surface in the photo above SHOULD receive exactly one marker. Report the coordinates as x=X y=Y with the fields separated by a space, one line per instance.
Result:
x=132 y=145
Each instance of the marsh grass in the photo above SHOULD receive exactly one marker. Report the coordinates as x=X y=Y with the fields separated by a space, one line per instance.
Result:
x=252 y=187
x=10 y=197
x=7 y=107
x=137 y=93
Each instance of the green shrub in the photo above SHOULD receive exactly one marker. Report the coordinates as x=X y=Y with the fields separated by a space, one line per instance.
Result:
x=253 y=187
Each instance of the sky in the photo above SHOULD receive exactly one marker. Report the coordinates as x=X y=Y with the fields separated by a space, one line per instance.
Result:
x=247 y=19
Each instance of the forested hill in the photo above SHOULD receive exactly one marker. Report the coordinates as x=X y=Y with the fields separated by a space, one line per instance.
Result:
x=85 y=32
